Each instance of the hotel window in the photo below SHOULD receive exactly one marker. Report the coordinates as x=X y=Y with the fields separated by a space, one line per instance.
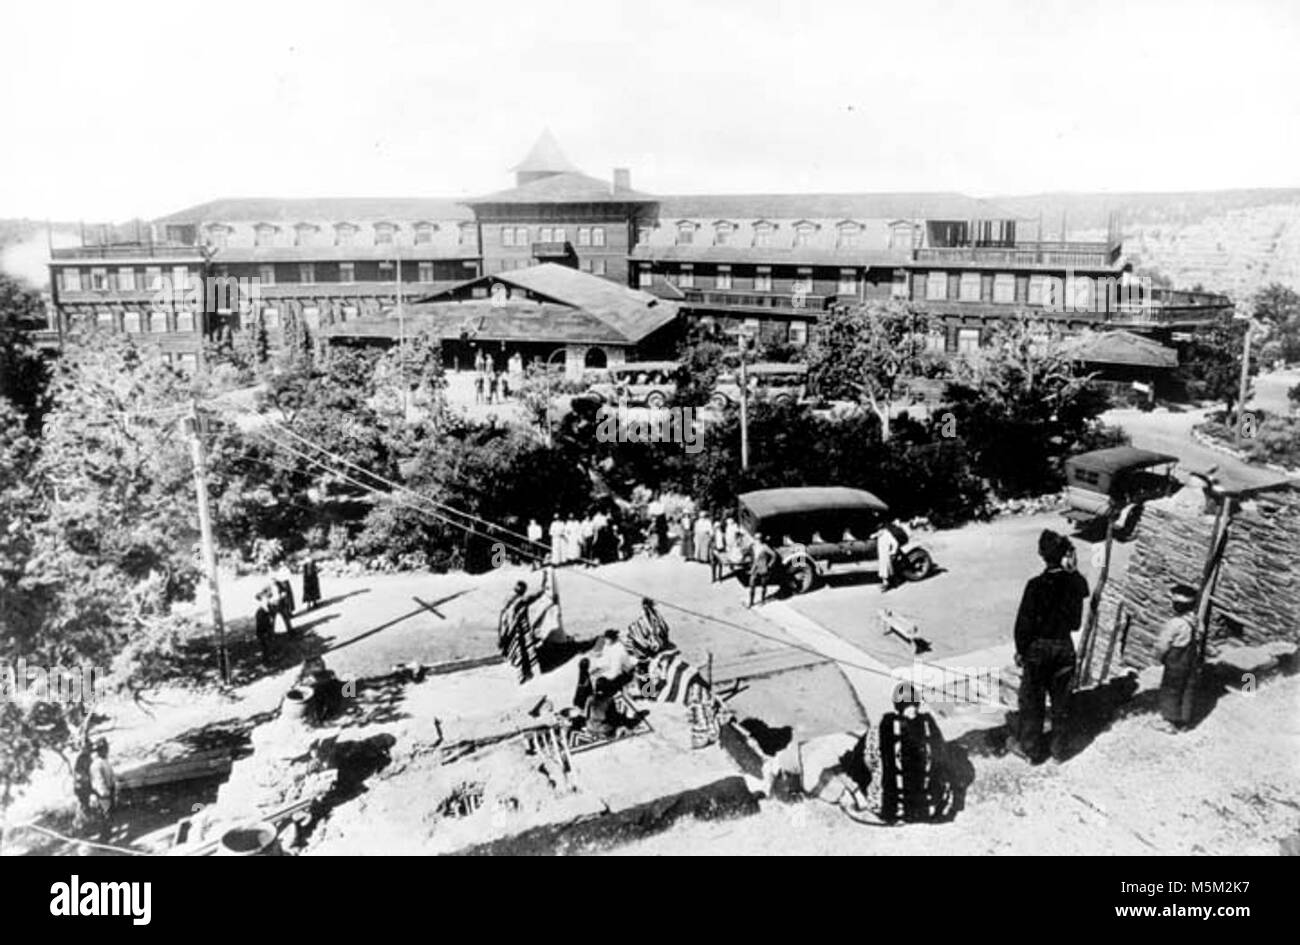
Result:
x=219 y=236
x=306 y=272
x=557 y=235
x=426 y=272
x=180 y=278
x=347 y=272
x=597 y=236
x=763 y=279
x=848 y=282
x=763 y=234
x=263 y=235
x=803 y=234
x=722 y=234
x=521 y=236
x=131 y=322
x=386 y=269
x=126 y=279
x=71 y=280
x=384 y=234
x=184 y=320
x=901 y=236
x=687 y=278
x=724 y=277
x=153 y=277
x=104 y=318
x=1004 y=288
x=685 y=234
x=968 y=340
x=424 y=233
x=936 y=342
x=645 y=277
x=898 y=288
x=304 y=234
x=799 y=333
x=848 y=238
x=803 y=281
x=507 y=236
x=348 y=311
x=544 y=234
x=344 y=234
x=936 y=287
x=266 y=275
x=970 y=287
x=584 y=236
x=158 y=322
x=99 y=279
x=466 y=234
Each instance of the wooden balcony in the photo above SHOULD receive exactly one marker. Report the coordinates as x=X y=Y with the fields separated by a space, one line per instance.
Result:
x=128 y=251
x=1056 y=253
x=725 y=300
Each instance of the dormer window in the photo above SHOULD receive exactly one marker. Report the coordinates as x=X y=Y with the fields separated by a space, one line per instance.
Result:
x=685 y=232
x=803 y=232
x=424 y=232
x=723 y=231
x=384 y=233
x=466 y=234
x=304 y=234
x=849 y=234
x=901 y=235
x=219 y=235
x=763 y=231
x=264 y=234
x=345 y=234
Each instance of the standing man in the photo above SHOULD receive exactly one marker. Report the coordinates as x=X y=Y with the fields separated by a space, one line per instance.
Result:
x=886 y=549
x=1050 y=610
x=535 y=544
x=557 y=540
x=1176 y=649
x=761 y=564
x=96 y=787
x=264 y=628
x=515 y=629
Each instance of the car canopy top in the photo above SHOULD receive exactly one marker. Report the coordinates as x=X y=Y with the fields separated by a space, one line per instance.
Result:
x=1118 y=459
x=805 y=509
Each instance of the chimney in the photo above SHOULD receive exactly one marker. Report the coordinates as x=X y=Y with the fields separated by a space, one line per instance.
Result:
x=622 y=179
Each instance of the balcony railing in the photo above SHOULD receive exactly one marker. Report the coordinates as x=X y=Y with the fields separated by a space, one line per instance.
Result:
x=755 y=301
x=1056 y=253
x=128 y=251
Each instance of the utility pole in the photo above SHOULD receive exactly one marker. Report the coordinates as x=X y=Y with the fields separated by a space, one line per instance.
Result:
x=199 y=457
x=743 y=337
x=401 y=336
x=1245 y=381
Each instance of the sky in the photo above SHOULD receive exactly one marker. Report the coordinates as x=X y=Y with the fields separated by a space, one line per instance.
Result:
x=139 y=108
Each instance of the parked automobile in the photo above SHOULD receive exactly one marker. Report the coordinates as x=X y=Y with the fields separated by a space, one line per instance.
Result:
x=1112 y=484
x=648 y=383
x=780 y=383
x=815 y=528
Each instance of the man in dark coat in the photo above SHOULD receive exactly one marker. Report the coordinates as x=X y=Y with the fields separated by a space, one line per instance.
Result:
x=264 y=628
x=1050 y=610
x=310 y=584
x=1176 y=650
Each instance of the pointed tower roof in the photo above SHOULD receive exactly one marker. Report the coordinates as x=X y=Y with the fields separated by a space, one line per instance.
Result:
x=545 y=158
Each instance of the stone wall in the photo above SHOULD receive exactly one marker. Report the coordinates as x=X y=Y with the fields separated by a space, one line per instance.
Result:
x=1256 y=600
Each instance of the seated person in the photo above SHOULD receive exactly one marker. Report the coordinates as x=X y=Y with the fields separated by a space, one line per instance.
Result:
x=326 y=687
x=817 y=538
x=613 y=662
x=848 y=536
x=604 y=711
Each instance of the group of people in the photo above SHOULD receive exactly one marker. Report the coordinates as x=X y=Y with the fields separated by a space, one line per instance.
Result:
x=276 y=606
x=1051 y=609
x=596 y=538
x=491 y=385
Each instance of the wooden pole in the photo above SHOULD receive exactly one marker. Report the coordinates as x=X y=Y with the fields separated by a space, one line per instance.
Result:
x=1082 y=669
x=199 y=458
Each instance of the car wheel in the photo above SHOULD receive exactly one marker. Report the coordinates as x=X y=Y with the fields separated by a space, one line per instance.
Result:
x=917 y=564
x=803 y=577
x=656 y=401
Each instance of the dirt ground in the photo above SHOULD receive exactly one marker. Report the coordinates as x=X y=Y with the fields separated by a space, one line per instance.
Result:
x=1229 y=787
